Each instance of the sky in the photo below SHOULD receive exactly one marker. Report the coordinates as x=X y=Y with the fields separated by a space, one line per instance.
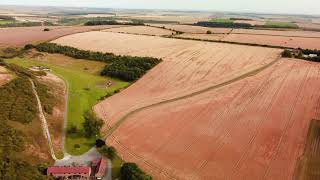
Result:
x=262 y=6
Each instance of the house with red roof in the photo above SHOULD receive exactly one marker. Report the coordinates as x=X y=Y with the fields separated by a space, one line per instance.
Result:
x=100 y=165
x=82 y=172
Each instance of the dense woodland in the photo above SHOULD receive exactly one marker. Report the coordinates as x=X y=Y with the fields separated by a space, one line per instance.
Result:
x=126 y=68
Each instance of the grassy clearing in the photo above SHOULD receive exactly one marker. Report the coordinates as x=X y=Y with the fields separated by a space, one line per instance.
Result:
x=84 y=91
x=6 y=22
x=274 y=24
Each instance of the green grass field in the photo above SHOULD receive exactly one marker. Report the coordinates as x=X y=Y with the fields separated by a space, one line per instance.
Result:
x=221 y=20
x=6 y=22
x=281 y=25
x=85 y=89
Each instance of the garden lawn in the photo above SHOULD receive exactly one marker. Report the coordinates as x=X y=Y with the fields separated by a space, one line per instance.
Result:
x=85 y=89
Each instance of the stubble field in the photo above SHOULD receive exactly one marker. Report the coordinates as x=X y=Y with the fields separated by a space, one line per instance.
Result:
x=252 y=129
x=257 y=118
x=19 y=36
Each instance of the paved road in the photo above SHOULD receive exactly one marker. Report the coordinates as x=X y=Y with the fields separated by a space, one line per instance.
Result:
x=43 y=121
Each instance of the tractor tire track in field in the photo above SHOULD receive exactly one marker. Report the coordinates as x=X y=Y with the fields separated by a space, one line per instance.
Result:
x=43 y=122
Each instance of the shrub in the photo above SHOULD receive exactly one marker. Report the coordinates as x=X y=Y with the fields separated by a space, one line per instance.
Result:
x=46 y=29
x=287 y=53
x=209 y=32
x=72 y=130
x=130 y=171
x=28 y=46
x=109 y=152
x=100 y=143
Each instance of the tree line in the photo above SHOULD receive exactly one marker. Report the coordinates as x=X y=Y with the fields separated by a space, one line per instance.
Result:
x=112 y=22
x=127 y=68
x=302 y=54
x=223 y=24
x=231 y=24
x=26 y=24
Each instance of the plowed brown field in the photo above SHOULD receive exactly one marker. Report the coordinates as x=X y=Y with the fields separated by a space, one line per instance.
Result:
x=24 y=35
x=252 y=129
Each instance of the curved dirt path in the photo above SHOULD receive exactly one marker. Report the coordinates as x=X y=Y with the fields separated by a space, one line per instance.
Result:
x=43 y=122
x=225 y=83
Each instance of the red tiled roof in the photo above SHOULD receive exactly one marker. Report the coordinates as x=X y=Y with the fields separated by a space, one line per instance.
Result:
x=68 y=170
x=101 y=168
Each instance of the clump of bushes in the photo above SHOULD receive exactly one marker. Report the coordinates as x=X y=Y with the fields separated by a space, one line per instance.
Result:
x=131 y=171
x=91 y=124
x=287 y=53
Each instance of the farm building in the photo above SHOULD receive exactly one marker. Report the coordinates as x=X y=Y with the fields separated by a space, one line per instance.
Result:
x=69 y=172
x=95 y=171
x=100 y=167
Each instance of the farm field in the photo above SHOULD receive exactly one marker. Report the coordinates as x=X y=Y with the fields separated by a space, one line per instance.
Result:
x=290 y=33
x=19 y=36
x=187 y=66
x=86 y=87
x=259 y=122
x=193 y=29
x=292 y=42
x=142 y=30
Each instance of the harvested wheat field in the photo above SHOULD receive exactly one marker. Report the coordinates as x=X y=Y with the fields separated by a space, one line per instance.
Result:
x=253 y=128
x=142 y=30
x=193 y=29
x=209 y=110
x=19 y=36
x=188 y=66
x=291 y=42
x=287 y=33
